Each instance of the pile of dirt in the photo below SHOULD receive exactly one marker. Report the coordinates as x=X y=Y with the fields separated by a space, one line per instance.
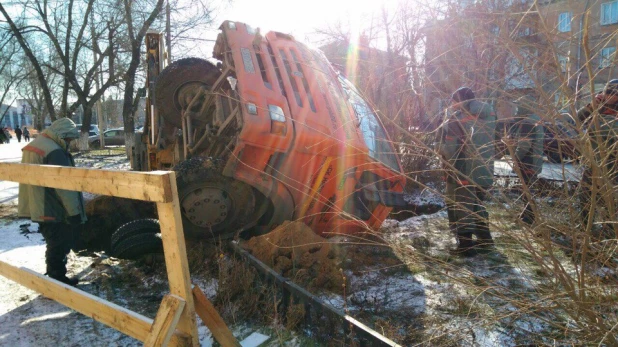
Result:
x=296 y=252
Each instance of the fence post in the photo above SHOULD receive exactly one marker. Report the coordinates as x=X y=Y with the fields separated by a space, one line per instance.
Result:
x=176 y=258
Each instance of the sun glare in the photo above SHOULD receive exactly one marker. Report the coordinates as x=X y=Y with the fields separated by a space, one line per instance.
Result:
x=301 y=19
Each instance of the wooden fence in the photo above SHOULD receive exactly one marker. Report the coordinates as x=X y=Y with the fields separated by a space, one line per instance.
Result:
x=175 y=322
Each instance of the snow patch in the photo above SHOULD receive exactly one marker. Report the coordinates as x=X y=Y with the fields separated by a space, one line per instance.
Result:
x=254 y=340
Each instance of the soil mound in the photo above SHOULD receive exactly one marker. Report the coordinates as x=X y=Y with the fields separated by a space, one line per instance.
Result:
x=296 y=252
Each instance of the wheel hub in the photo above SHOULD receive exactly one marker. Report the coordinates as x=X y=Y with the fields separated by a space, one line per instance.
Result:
x=188 y=92
x=206 y=206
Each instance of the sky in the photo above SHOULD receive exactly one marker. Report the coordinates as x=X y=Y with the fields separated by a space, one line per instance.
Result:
x=299 y=18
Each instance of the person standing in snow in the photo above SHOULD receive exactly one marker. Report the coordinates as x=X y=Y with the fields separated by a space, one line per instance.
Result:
x=26 y=134
x=56 y=210
x=527 y=152
x=600 y=120
x=467 y=146
x=18 y=133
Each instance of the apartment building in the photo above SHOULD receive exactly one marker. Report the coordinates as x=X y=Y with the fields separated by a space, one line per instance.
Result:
x=553 y=50
x=585 y=38
x=19 y=115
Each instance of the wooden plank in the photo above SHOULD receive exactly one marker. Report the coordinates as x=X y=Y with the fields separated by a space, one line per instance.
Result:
x=110 y=314
x=176 y=259
x=165 y=321
x=148 y=186
x=212 y=319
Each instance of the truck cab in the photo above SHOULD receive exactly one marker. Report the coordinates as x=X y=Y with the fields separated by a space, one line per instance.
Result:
x=275 y=117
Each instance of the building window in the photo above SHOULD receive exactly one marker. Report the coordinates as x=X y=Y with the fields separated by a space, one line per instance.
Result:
x=609 y=13
x=564 y=22
x=607 y=57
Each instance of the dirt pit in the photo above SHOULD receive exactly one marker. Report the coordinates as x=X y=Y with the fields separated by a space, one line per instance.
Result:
x=299 y=254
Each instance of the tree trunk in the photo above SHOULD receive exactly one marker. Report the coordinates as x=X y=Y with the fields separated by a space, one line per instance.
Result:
x=82 y=145
x=128 y=107
x=128 y=112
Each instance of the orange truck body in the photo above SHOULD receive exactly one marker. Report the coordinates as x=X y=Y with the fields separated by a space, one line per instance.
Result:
x=328 y=162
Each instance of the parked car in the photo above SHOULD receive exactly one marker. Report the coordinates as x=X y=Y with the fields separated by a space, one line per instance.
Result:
x=113 y=137
x=94 y=129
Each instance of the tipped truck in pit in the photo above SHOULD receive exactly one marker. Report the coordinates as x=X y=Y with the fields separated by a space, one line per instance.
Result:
x=271 y=133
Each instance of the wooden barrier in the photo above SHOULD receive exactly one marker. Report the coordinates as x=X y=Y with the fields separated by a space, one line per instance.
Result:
x=176 y=320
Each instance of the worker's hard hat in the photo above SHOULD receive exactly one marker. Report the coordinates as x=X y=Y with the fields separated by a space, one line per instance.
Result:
x=65 y=128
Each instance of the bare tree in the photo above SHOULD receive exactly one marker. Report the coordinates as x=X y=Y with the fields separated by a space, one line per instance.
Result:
x=10 y=74
x=136 y=28
x=66 y=30
x=30 y=90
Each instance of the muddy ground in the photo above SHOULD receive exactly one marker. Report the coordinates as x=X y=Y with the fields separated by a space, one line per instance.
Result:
x=401 y=280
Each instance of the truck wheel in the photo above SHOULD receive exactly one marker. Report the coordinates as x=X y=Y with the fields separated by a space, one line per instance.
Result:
x=138 y=246
x=179 y=83
x=136 y=227
x=95 y=145
x=212 y=205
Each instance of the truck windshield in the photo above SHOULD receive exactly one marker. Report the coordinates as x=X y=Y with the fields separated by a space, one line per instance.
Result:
x=374 y=134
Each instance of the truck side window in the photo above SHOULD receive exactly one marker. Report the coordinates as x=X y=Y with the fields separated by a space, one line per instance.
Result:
x=374 y=134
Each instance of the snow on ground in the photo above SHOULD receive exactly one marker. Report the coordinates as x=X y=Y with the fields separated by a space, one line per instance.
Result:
x=416 y=283
x=551 y=171
x=452 y=301
x=29 y=319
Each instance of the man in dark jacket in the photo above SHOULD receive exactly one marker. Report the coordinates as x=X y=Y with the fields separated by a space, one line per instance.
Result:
x=56 y=210
x=18 y=133
x=527 y=152
x=7 y=136
x=467 y=146
x=599 y=118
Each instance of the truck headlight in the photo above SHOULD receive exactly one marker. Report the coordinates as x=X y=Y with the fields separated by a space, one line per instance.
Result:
x=276 y=113
x=251 y=108
x=277 y=124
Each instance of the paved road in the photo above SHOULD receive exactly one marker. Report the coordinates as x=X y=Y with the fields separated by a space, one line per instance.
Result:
x=10 y=153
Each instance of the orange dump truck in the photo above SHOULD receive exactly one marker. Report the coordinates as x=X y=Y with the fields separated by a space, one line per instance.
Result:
x=271 y=133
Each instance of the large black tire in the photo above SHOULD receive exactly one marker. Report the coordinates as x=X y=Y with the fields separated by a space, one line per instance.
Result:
x=138 y=246
x=213 y=206
x=96 y=234
x=137 y=239
x=95 y=145
x=136 y=227
x=180 y=75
